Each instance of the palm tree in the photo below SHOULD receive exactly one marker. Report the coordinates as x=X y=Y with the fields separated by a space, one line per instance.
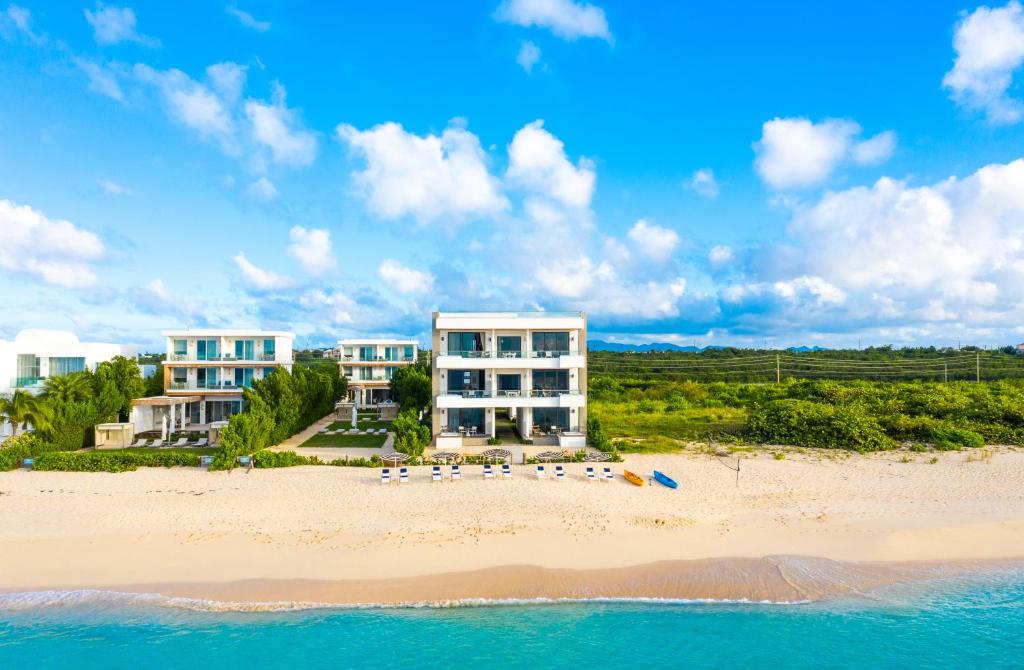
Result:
x=73 y=387
x=23 y=408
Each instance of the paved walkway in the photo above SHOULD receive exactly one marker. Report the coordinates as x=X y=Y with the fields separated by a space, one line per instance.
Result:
x=298 y=438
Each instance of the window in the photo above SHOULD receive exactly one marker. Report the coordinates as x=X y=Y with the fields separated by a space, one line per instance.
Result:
x=366 y=354
x=66 y=365
x=462 y=343
x=269 y=349
x=267 y=372
x=243 y=377
x=180 y=375
x=551 y=344
x=389 y=371
x=244 y=350
x=510 y=346
x=466 y=381
x=347 y=371
x=547 y=417
x=550 y=380
x=464 y=419
x=366 y=373
x=409 y=353
x=181 y=348
x=206 y=378
x=509 y=385
x=391 y=353
x=206 y=350
x=28 y=370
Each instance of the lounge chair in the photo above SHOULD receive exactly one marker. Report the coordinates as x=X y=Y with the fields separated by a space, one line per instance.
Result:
x=590 y=475
x=383 y=431
x=488 y=471
x=559 y=473
x=403 y=475
x=156 y=443
x=202 y=442
x=456 y=473
x=506 y=471
x=323 y=430
x=182 y=441
x=27 y=463
x=608 y=476
x=245 y=460
x=139 y=443
x=435 y=474
x=205 y=461
x=385 y=476
x=541 y=472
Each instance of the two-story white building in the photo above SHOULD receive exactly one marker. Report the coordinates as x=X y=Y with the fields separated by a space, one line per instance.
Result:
x=212 y=367
x=368 y=365
x=525 y=372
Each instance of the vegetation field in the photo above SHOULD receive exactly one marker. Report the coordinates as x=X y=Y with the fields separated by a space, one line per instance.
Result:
x=358 y=441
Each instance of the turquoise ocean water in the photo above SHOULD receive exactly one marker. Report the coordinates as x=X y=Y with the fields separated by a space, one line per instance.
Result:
x=973 y=622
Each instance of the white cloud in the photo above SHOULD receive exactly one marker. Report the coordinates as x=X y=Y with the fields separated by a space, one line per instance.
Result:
x=20 y=19
x=537 y=162
x=565 y=18
x=703 y=183
x=721 y=255
x=55 y=251
x=112 y=25
x=262 y=190
x=247 y=19
x=798 y=153
x=312 y=249
x=102 y=79
x=113 y=188
x=656 y=243
x=277 y=127
x=528 y=56
x=196 y=105
x=428 y=177
x=155 y=298
x=990 y=47
x=405 y=279
x=258 y=278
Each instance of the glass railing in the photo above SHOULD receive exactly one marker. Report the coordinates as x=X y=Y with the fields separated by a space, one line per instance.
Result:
x=514 y=354
x=553 y=353
x=25 y=382
x=510 y=393
x=471 y=354
x=206 y=386
x=225 y=357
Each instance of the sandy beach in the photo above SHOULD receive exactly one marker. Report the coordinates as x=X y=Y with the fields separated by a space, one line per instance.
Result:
x=327 y=534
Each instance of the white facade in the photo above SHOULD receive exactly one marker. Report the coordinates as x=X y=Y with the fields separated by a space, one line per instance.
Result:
x=215 y=365
x=369 y=363
x=529 y=369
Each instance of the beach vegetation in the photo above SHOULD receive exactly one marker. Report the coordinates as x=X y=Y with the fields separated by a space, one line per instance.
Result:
x=23 y=409
x=410 y=387
x=411 y=436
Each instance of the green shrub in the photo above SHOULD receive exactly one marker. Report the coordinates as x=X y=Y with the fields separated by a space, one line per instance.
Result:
x=815 y=424
x=112 y=461
x=411 y=437
x=596 y=435
x=282 y=459
x=16 y=448
x=493 y=440
x=647 y=407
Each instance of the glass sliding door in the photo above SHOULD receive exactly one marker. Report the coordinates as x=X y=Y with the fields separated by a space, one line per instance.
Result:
x=550 y=344
x=469 y=345
x=60 y=366
x=466 y=421
x=28 y=370
x=408 y=354
x=510 y=346
x=550 y=382
x=269 y=349
x=467 y=383
x=206 y=350
x=244 y=350
x=243 y=377
x=547 y=418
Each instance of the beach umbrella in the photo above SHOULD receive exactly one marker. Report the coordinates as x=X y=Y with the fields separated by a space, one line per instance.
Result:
x=597 y=457
x=445 y=456
x=549 y=455
x=503 y=454
x=395 y=457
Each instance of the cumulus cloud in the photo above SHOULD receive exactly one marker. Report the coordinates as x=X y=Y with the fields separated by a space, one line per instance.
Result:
x=427 y=177
x=794 y=152
x=262 y=190
x=703 y=183
x=656 y=243
x=567 y=19
x=53 y=250
x=990 y=47
x=18 y=20
x=721 y=255
x=102 y=79
x=258 y=278
x=312 y=249
x=112 y=25
x=528 y=56
x=155 y=298
x=247 y=19
x=277 y=128
x=196 y=105
x=537 y=162
x=405 y=279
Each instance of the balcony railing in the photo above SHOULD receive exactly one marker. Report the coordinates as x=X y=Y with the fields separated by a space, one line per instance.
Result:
x=206 y=386
x=513 y=354
x=378 y=359
x=26 y=382
x=511 y=393
x=259 y=357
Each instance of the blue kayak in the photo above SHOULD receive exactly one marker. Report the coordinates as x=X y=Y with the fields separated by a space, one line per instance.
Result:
x=665 y=480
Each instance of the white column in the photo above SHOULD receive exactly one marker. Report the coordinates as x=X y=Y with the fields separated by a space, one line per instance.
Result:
x=202 y=411
x=171 y=423
x=494 y=421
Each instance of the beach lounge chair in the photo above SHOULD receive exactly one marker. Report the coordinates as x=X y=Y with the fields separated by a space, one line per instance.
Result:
x=506 y=471
x=488 y=471
x=383 y=431
x=245 y=461
x=435 y=474
x=456 y=473
x=541 y=472
x=205 y=461
x=156 y=443
x=27 y=463
x=141 y=442
x=590 y=475
x=608 y=476
x=385 y=476
x=182 y=441
x=559 y=473
x=403 y=475
x=202 y=442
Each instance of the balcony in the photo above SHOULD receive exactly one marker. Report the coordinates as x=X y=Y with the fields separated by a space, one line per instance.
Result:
x=205 y=386
x=517 y=398
x=26 y=382
x=255 y=358
x=481 y=360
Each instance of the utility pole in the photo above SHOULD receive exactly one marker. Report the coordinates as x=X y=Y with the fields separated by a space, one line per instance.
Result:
x=977 y=367
x=945 y=372
x=778 y=372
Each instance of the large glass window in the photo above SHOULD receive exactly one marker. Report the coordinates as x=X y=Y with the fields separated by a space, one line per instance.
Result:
x=206 y=350
x=60 y=366
x=267 y=372
x=408 y=353
x=243 y=377
x=546 y=418
x=269 y=349
x=367 y=353
x=509 y=385
x=551 y=344
x=466 y=382
x=206 y=378
x=180 y=375
x=549 y=382
x=181 y=348
x=389 y=371
x=244 y=350
x=391 y=353
x=466 y=420
x=461 y=344
x=222 y=410
x=510 y=346
x=28 y=370
x=366 y=373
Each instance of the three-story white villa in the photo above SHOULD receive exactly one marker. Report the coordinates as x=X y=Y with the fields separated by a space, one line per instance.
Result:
x=495 y=371
x=212 y=367
x=368 y=365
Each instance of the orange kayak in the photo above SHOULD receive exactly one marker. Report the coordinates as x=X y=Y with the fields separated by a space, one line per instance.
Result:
x=633 y=478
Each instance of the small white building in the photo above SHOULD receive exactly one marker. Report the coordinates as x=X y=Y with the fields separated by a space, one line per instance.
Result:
x=525 y=371
x=368 y=365
x=211 y=367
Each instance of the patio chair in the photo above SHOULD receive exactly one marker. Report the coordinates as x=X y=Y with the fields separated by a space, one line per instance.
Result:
x=141 y=442
x=506 y=471
x=559 y=473
x=488 y=471
x=456 y=473
x=156 y=443
x=383 y=431
x=590 y=474
x=385 y=476
x=435 y=474
x=202 y=442
x=608 y=476
x=403 y=475
x=182 y=441
x=541 y=472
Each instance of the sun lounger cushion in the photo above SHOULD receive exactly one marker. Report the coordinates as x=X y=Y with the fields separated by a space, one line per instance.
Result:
x=456 y=473
x=403 y=476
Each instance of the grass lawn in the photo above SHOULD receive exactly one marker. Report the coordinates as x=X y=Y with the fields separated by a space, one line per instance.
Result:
x=359 y=441
x=362 y=425
x=203 y=451
x=662 y=430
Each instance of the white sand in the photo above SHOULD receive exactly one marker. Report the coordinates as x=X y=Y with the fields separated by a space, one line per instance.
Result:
x=69 y=530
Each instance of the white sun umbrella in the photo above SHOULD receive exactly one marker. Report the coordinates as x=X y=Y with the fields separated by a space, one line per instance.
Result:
x=495 y=454
x=395 y=457
x=163 y=428
x=445 y=456
x=550 y=455
x=597 y=457
x=355 y=407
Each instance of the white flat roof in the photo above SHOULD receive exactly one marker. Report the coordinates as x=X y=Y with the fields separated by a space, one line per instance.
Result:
x=370 y=340
x=509 y=320
x=227 y=332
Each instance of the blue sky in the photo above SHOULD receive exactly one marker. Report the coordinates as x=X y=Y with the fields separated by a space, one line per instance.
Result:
x=690 y=172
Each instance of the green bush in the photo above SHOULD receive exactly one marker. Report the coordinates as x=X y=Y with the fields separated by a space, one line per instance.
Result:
x=112 y=461
x=16 y=448
x=411 y=437
x=596 y=435
x=282 y=459
x=817 y=424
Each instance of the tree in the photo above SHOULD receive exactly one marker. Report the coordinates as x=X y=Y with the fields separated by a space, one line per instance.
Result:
x=596 y=435
x=23 y=409
x=411 y=437
x=154 y=385
x=126 y=377
x=410 y=388
x=74 y=387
